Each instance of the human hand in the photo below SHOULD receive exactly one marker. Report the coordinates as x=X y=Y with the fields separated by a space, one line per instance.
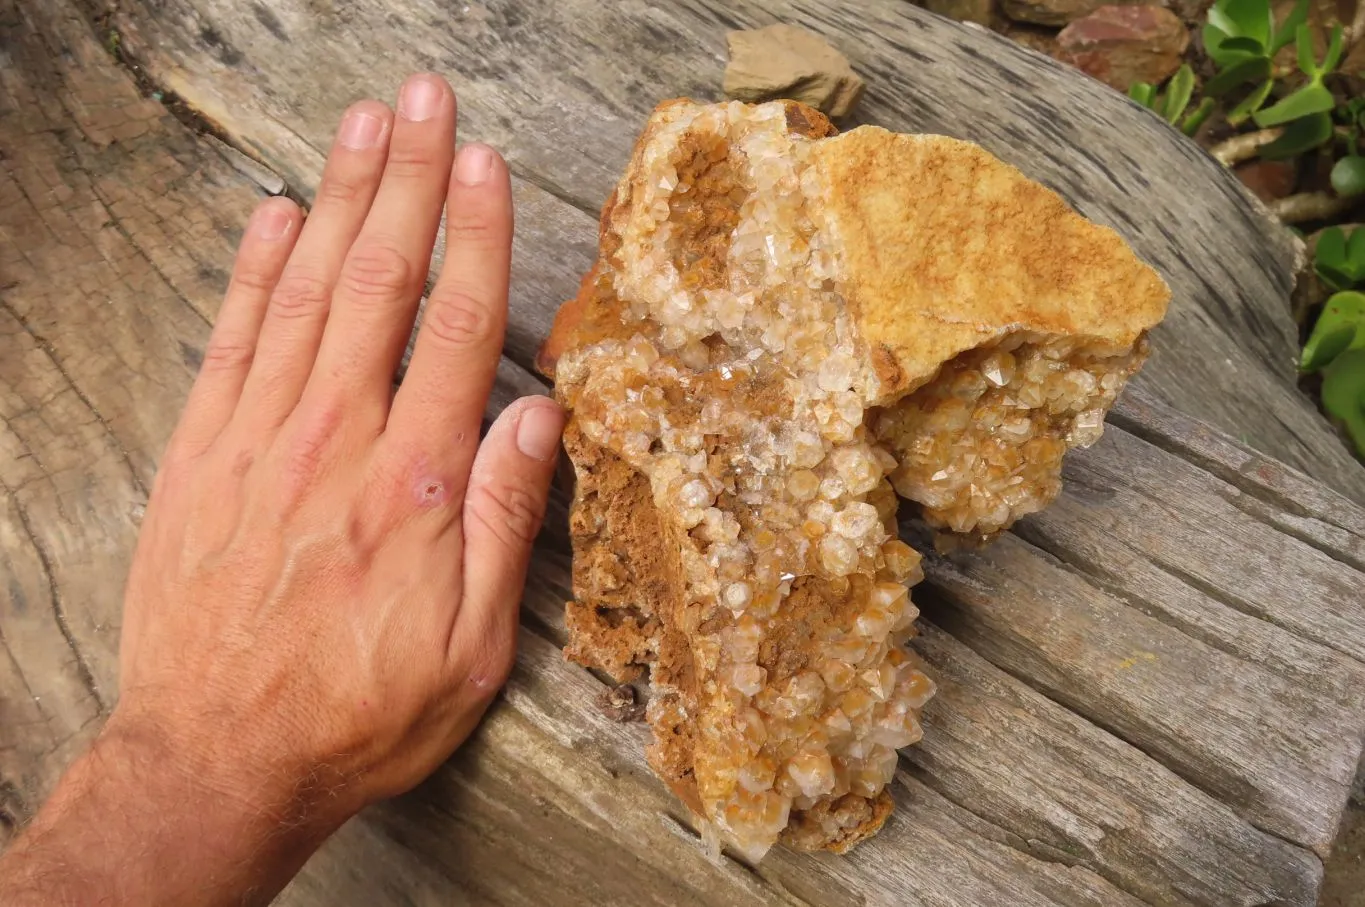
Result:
x=325 y=591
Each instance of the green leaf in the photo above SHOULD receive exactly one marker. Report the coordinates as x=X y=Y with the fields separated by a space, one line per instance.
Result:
x=1303 y=43
x=1216 y=45
x=1251 y=18
x=1178 y=92
x=1343 y=394
x=1250 y=104
x=1289 y=27
x=1324 y=346
x=1334 y=47
x=1339 y=262
x=1246 y=70
x=1298 y=137
x=1221 y=22
x=1335 y=277
x=1143 y=92
x=1197 y=118
x=1331 y=247
x=1348 y=177
x=1355 y=253
x=1341 y=325
x=1247 y=45
x=1309 y=100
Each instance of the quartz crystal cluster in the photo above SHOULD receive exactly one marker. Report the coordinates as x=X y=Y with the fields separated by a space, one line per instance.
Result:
x=785 y=328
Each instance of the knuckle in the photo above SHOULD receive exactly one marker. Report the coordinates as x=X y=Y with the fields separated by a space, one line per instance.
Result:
x=457 y=320
x=305 y=447
x=253 y=276
x=407 y=161
x=511 y=514
x=227 y=354
x=477 y=229
x=299 y=294
x=396 y=490
x=377 y=270
x=342 y=190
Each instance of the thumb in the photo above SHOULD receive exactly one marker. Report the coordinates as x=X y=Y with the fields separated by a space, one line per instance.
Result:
x=503 y=509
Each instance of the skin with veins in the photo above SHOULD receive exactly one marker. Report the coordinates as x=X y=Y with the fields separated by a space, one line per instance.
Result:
x=783 y=330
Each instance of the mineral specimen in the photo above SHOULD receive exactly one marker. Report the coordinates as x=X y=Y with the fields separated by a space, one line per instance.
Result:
x=782 y=325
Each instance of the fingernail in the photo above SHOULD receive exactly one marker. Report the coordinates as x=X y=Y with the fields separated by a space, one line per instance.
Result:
x=420 y=99
x=273 y=223
x=360 y=131
x=474 y=164
x=539 y=431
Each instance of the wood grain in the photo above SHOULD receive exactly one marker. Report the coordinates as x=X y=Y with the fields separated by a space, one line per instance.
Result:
x=562 y=87
x=1060 y=766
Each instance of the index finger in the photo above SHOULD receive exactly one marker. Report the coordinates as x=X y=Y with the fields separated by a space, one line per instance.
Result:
x=440 y=404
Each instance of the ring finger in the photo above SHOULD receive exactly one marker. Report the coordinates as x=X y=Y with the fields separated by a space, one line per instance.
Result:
x=299 y=307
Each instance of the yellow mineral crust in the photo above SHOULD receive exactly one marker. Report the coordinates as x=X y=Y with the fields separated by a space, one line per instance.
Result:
x=782 y=326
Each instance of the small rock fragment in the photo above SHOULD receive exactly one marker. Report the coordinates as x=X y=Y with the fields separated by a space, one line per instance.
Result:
x=619 y=704
x=783 y=61
x=1050 y=12
x=1267 y=180
x=1122 y=45
x=1037 y=38
x=979 y=11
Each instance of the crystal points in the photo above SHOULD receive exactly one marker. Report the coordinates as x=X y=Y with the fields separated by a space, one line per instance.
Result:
x=784 y=330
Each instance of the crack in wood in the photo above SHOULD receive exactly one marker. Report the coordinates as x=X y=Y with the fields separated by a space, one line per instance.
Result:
x=1167 y=442
x=549 y=187
x=1062 y=558
x=679 y=826
x=28 y=688
x=14 y=809
x=946 y=600
x=50 y=352
x=1033 y=849
x=1252 y=504
x=83 y=671
x=1231 y=600
x=128 y=237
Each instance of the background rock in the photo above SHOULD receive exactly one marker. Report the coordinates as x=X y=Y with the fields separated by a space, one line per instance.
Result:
x=1051 y=12
x=1034 y=37
x=1268 y=180
x=1120 y=45
x=783 y=61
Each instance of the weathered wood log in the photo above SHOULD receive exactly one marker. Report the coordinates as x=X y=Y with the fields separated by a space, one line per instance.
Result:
x=1061 y=764
x=562 y=88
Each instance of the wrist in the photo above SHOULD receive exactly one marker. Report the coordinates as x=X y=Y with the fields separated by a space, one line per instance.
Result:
x=250 y=783
x=192 y=810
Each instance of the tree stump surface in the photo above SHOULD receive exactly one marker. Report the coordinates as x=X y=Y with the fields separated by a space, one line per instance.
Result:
x=1153 y=692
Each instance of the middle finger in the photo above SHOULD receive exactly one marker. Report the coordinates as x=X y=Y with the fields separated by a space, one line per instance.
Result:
x=381 y=281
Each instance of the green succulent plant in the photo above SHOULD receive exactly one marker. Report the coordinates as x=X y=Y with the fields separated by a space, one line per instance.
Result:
x=1314 y=97
x=1348 y=174
x=1241 y=38
x=1336 y=346
x=1305 y=113
x=1172 y=104
x=1340 y=261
